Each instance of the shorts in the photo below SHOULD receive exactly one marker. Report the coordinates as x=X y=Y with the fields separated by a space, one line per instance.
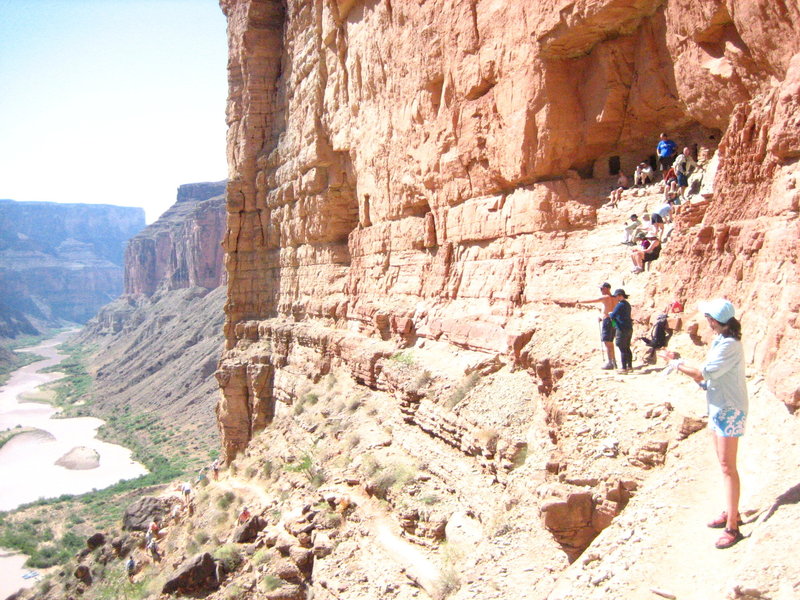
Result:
x=607 y=330
x=649 y=257
x=666 y=161
x=726 y=421
x=656 y=218
x=683 y=180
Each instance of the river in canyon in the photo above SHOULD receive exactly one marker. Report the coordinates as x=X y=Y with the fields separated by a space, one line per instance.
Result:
x=28 y=469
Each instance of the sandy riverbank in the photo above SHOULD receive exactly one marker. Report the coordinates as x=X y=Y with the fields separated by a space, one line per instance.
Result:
x=28 y=461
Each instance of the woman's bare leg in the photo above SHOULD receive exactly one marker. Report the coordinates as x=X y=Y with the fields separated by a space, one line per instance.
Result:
x=726 y=448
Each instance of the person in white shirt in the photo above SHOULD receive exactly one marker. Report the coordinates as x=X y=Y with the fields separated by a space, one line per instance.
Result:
x=684 y=165
x=723 y=378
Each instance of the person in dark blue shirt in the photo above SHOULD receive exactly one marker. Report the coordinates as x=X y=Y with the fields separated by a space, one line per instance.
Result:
x=621 y=317
x=666 y=150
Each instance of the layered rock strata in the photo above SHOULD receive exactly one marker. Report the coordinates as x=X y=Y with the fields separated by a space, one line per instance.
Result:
x=181 y=249
x=407 y=173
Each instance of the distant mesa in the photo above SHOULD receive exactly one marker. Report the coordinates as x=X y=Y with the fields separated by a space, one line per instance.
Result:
x=59 y=263
x=80 y=458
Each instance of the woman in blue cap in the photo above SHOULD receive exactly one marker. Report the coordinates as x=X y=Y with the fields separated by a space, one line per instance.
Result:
x=723 y=378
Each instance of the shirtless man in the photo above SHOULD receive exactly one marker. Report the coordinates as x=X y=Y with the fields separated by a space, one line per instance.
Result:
x=607 y=329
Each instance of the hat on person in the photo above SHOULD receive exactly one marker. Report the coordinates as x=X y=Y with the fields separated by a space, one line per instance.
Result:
x=641 y=235
x=634 y=217
x=620 y=292
x=719 y=309
x=605 y=285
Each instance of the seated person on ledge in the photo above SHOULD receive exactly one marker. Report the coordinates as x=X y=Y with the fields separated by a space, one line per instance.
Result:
x=650 y=251
x=631 y=227
x=616 y=194
x=644 y=172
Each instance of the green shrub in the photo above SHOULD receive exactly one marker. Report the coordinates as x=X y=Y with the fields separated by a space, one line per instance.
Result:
x=270 y=583
x=229 y=555
x=201 y=537
x=392 y=476
x=402 y=357
x=226 y=500
x=262 y=556
x=316 y=475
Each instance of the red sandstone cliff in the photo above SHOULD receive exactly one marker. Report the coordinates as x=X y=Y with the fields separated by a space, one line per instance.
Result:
x=181 y=249
x=158 y=344
x=405 y=172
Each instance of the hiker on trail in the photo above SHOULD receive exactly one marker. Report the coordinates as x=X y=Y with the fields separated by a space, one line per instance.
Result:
x=154 y=529
x=244 y=516
x=650 y=251
x=723 y=378
x=643 y=172
x=665 y=149
x=201 y=479
x=684 y=165
x=186 y=489
x=621 y=318
x=660 y=335
x=175 y=513
x=155 y=552
x=631 y=227
x=606 y=328
x=616 y=194
x=215 y=468
x=130 y=568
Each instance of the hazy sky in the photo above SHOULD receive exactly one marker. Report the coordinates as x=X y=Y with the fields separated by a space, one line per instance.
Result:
x=111 y=101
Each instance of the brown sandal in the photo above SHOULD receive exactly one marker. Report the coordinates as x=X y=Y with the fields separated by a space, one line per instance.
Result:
x=721 y=521
x=729 y=538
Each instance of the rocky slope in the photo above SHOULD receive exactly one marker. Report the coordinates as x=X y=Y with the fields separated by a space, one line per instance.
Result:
x=156 y=347
x=62 y=262
x=482 y=486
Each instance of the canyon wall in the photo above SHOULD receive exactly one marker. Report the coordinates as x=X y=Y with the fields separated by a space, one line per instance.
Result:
x=63 y=261
x=157 y=345
x=410 y=173
x=181 y=249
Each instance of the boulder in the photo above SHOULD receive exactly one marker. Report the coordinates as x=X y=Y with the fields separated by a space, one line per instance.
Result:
x=95 y=541
x=123 y=545
x=287 y=592
x=138 y=515
x=248 y=531
x=196 y=575
x=83 y=574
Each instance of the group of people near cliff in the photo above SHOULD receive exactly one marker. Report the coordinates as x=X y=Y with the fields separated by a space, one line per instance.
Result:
x=721 y=376
x=647 y=232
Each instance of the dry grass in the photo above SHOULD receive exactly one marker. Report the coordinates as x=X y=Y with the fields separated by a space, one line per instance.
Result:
x=462 y=389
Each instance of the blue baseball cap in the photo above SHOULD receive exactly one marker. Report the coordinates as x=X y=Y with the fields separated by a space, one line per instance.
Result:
x=718 y=309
